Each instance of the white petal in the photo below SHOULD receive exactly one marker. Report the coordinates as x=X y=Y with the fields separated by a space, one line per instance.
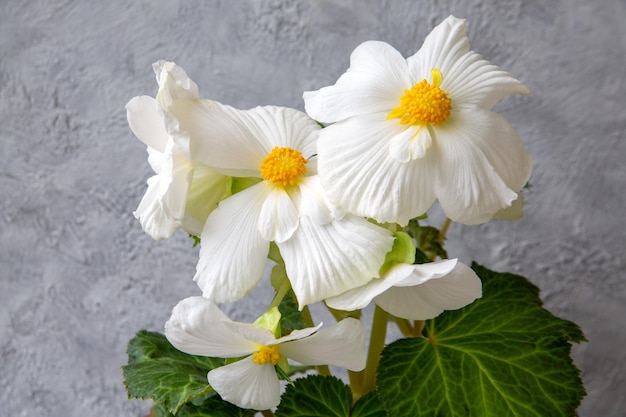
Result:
x=375 y=81
x=443 y=46
x=326 y=260
x=425 y=301
x=360 y=297
x=198 y=327
x=482 y=165
x=162 y=208
x=278 y=218
x=254 y=333
x=155 y=220
x=361 y=176
x=146 y=121
x=232 y=252
x=400 y=275
x=411 y=144
x=468 y=79
x=219 y=137
x=239 y=140
x=174 y=84
x=425 y=272
x=299 y=334
x=341 y=345
x=246 y=384
x=313 y=201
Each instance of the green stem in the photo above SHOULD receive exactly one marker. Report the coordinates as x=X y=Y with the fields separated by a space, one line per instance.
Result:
x=418 y=327
x=280 y=294
x=356 y=383
x=377 y=343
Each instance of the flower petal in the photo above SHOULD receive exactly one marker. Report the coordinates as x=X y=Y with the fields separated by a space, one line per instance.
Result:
x=313 y=201
x=326 y=260
x=232 y=252
x=198 y=327
x=155 y=221
x=342 y=345
x=469 y=79
x=146 y=121
x=482 y=165
x=444 y=45
x=375 y=81
x=246 y=384
x=361 y=176
x=162 y=208
x=278 y=218
x=399 y=275
x=239 y=140
x=174 y=84
x=422 y=302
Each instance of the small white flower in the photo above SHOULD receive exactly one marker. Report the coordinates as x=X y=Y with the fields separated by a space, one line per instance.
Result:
x=410 y=131
x=415 y=291
x=181 y=194
x=198 y=327
x=325 y=252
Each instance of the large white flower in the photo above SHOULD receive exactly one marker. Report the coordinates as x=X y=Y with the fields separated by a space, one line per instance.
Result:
x=410 y=131
x=182 y=193
x=198 y=327
x=325 y=252
x=415 y=291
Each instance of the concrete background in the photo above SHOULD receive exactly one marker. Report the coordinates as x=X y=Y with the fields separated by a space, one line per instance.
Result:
x=78 y=277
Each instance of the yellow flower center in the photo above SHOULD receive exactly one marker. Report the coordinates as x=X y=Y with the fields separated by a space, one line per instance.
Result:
x=423 y=103
x=267 y=354
x=283 y=166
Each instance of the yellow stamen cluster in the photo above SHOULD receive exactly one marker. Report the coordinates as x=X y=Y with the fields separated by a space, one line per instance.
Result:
x=423 y=103
x=283 y=166
x=267 y=354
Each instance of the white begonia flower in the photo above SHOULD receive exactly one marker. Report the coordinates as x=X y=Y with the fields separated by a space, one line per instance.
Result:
x=198 y=327
x=410 y=131
x=325 y=252
x=182 y=193
x=415 y=291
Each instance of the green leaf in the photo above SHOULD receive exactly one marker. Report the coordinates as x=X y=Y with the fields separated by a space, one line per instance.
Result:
x=368 y=406
x=212 y=407
x=292 y=318
x=326 y=396
x=159 y=371
x=316 y=396
x=503 y=355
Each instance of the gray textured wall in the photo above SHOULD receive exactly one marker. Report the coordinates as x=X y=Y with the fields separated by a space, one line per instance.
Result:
x=78 y=277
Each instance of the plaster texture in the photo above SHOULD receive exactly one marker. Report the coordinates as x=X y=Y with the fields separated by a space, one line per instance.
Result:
x=78 y=277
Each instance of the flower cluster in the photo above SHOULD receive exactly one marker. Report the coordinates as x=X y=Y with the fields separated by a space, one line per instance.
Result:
x=331 y=203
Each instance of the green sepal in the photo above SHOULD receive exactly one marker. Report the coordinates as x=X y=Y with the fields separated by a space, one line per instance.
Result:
x=241 y=183
x=402 y=252
x=503 y=355
x=278 y=276
x=157 y=370
x=270 y=320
